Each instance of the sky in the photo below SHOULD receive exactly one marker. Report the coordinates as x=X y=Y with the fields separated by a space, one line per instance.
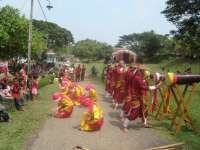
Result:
x=102 y=20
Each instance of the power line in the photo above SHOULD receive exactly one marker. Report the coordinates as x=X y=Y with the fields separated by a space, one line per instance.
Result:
x=42 y=10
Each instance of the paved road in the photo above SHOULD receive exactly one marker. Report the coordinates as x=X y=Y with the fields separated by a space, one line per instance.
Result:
x=58 y=134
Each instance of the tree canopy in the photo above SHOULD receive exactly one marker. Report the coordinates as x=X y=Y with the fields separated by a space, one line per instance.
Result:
x=91 y=49
x=185 y=14
x=14 y=34
x=56 y=36
x=147 y=43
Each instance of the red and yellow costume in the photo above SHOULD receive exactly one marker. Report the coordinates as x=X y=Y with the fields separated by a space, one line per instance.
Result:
x=65 y=106
x=93 y=119
x=93 y=95
x=78 y=73
x=64 y=86
x=76 y=92
x=128 y=79
x=128 y=96
x=112 y=79
x=119 y=91
x=108 y=80
x=135 y=107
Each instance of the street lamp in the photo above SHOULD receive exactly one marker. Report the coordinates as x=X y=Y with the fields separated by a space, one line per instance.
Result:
x=30 y=37
x=49 y=6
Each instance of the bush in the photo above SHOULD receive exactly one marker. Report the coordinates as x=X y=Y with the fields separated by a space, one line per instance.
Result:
x=45 y=80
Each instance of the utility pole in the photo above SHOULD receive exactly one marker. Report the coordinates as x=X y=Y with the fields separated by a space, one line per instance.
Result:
x=30 y=38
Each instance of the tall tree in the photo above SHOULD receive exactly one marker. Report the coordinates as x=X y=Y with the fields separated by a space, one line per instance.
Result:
x=91 y=49
x=147 y=43
x=185 y=14
x=56 y=36
x=14 y=34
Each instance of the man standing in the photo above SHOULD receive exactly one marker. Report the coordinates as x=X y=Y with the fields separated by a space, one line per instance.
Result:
x=82 y=72
x=137 y=107
x=78 y=73
x=119 y=92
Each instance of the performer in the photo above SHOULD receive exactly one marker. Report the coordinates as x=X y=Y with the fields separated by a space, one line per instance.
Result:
x=91 y=92
x=108 y=76
x=137 y=107
x=78 y=73
x=65 y=105
x=93 y=119
x=132 y=69
x=61 y=72
x=119 y=91
x=75 y=93
x=64 y=84
x=83 y=72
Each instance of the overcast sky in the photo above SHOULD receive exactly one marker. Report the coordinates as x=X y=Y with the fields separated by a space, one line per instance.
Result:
x=103 y=20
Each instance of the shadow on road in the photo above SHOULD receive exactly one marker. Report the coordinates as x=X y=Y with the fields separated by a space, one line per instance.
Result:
x=114 y=115
x=115 y=123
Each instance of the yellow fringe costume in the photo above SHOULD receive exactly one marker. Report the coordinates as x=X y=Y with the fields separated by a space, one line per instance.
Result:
x=92 y=120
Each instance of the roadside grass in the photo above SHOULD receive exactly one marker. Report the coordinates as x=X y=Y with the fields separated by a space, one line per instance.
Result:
x=173 y=64
x=13 y=135
x=98 y=64
x=186 y=135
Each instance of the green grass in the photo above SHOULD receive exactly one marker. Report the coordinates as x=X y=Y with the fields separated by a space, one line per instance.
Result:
x=172 y=64
x=186 y=135
x=98 y=64
x=14 y=134
x=44 y=81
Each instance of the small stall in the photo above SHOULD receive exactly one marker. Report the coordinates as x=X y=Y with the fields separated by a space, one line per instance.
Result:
x=51 y=57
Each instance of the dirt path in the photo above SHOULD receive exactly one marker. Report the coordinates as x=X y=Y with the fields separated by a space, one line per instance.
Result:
x=58 y=134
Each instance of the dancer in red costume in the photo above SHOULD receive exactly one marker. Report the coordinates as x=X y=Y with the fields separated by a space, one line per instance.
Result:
x=128 y=79
x=119 y=91
x=78 y=73
x=136 y=107
x=112 y=79
x=108 y=77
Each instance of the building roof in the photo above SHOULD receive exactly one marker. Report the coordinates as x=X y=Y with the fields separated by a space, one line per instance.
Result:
x=50 y=52
x=122 y=50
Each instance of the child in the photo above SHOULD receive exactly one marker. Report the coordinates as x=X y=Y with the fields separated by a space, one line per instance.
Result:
x=34 y=87
x=16 y=94
x=4 y=116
